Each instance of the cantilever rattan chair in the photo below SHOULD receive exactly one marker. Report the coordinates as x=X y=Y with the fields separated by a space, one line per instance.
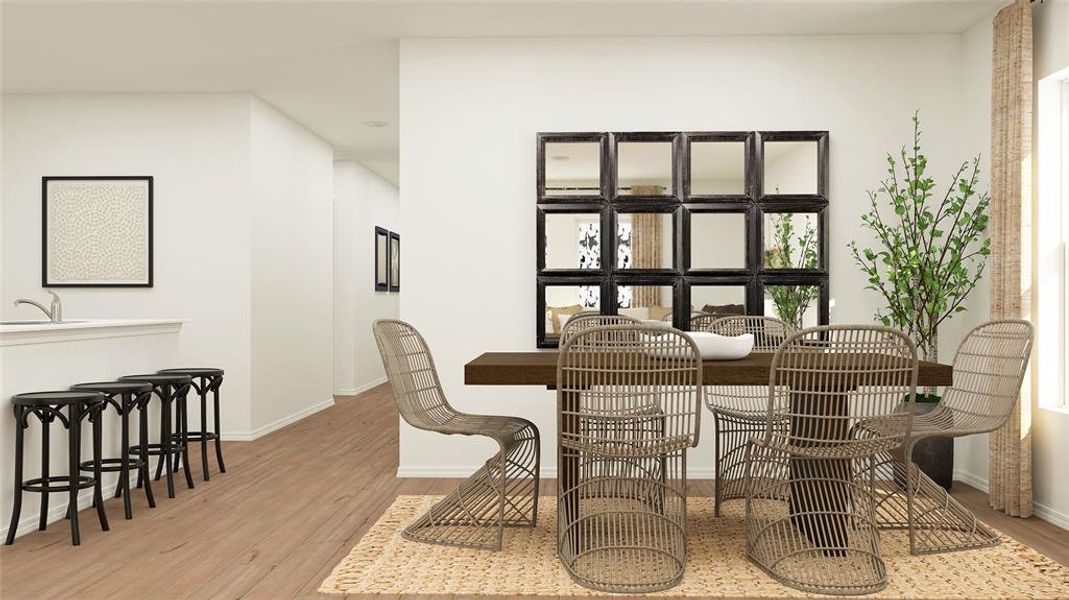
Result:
x=622 y=524
x=810 y=523
x=989 y=368
x=504 y=492
x=740 y=412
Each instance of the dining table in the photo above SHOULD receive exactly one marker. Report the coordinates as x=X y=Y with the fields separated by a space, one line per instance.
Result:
x=826 y=521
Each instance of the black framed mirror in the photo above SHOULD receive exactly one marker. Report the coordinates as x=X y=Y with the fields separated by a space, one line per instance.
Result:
x=662 y=226
x=382 y=260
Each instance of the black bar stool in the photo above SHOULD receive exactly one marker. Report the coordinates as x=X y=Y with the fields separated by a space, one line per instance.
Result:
x=47 y=407
x=205 y=380
x=125 y=396
x=172 y=391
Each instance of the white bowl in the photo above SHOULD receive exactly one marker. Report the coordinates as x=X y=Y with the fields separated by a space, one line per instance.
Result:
x=721 y=347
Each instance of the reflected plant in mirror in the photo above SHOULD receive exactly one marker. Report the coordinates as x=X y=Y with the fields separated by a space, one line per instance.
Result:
x=790 y=250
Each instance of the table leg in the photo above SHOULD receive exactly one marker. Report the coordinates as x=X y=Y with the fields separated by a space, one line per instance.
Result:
x=568 y=472
x=820 y=488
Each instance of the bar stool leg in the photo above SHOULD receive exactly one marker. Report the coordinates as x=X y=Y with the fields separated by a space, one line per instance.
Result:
x=42 y=523
x=98 y=437
x=204 y=427
x=74 y=450
x=165 y=435
x=183 y=428
x=218 y=437
x=142 y=471
x=16 y=507
x=124 y=474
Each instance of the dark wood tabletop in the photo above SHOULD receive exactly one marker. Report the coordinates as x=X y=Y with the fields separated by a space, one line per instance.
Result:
x=540 y=368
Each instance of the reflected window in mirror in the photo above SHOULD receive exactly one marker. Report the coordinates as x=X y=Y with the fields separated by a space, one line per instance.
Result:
x=572 y=169
x=645 y=302
x=717 y=168
x=644 y=169
x=564 y=301
x=717 y=240
x=790 y=167
x=572 y=240
x=796 y=305
x=791 y=241
x=645 y=241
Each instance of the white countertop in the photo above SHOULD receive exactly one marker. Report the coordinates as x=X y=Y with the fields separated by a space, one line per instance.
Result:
x=30 y=332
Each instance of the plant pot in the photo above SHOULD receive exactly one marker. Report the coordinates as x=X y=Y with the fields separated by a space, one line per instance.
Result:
x=934 y=456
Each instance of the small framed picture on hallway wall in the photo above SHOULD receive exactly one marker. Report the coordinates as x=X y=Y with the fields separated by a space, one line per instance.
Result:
x=395 y=261
x=382 y=260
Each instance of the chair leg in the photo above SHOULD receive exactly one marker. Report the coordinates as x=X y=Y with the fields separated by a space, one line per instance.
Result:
x=16 y=506
x=165 y=440
x=124 y=474
x=142 y=471
x=183 y=428
x=98 y=435
x=204 y=431
x=718 y=484
x=46 y=444
x=74 y=452
x=218 y=435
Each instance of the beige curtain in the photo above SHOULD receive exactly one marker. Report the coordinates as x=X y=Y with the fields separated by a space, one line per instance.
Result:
x=646 y=246
x=1011 y=238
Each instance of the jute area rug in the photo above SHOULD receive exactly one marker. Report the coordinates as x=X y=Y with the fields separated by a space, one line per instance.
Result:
x=385 y=563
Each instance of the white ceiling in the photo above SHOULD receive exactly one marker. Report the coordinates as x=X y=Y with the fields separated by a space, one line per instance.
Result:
x=333 y=65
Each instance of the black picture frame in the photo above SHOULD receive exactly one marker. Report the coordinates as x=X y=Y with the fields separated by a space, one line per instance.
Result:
x=382 y=259
x=46 y=282
x=754 y=203
x=394 y=262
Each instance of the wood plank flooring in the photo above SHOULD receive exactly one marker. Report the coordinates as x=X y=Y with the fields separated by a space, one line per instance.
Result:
x=291 y=505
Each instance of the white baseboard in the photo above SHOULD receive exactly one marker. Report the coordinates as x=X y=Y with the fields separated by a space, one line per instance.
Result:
x=1042 y=511
x=58 y=507
x=462 y=472
x=248 y=436
x=360 y=389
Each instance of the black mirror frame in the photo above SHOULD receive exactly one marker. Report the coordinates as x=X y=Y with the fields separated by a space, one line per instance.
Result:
x=385 y=285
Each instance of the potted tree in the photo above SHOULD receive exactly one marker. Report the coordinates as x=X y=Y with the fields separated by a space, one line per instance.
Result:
x=929 y=253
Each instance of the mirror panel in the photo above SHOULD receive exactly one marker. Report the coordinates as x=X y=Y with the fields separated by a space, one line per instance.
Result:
x=573 y=168
x=717 y=168
x=790 y=168
x=645 y=240
x=717 y=240
x=645 y=302
x=573 y=240
x=718 y=300
x=644 y=169
x=797 y=305
x=563 y=301
x=791 y=241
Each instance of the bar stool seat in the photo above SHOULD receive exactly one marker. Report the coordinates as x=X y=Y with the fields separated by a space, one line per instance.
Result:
x=205 y=380
x=48 y=407
x=171 y=389
x=125 y=396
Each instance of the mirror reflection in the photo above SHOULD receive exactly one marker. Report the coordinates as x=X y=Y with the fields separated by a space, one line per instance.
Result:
x=790 y=168
x=796 y=305
x=644 y=169
x=717 y=168
x=717 y=300
x=564 y=301
x=717 y=240
x=645 y=240
x=573 y=241
x=645 y=302
x=790 y=241
x=573 y=168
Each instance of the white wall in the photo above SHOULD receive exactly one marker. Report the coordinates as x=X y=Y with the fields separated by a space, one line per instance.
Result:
x=362 y=200
x=242 y=223
x=292 y=284
x=196 y=148
x=470 y=110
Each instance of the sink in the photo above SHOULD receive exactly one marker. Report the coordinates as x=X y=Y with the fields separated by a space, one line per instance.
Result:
x=37 y=322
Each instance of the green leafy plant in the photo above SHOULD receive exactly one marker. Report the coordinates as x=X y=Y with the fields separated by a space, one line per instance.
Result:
x=930 y=253
x=789 y=251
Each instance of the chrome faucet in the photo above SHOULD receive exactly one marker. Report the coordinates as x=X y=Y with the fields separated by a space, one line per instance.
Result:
x=55 y=314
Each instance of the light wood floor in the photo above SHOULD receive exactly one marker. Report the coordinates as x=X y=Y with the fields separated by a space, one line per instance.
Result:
x=291 y=505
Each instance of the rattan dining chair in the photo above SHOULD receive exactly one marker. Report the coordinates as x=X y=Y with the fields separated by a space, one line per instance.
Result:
x=504 y=492
x=622 y=525
x=587 y=320
x=989 y=369
x=740 y=412
x=810 y=523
